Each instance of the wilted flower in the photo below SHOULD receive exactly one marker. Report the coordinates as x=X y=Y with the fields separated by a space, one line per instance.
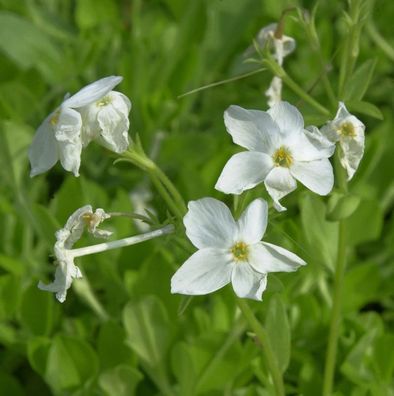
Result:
x=60 y=136
x=229 y=251
x=107 y=122
x=66 y=270
x=280 y=151
x=348 y=130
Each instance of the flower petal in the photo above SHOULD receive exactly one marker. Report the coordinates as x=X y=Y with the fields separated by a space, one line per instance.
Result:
x=209 y=223
x=248 y=283
x=206 y=271
x=287 y=117
x=320 y=141
x=318 y=175
x=279 y=183
x=244 y=171
x=92 y=92
x=351 y=153
x=265 y=257
x=114 y=123
x=43 y=153
x=252 y=129
x=253 y=222
x=68 y=136
x=301 y=147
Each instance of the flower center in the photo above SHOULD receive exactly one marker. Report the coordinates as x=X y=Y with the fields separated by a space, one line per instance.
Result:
x=55 y=118
x=106 y=100
x=347 y=129
x=282 y=157
x=89 y=219
x=240 y=251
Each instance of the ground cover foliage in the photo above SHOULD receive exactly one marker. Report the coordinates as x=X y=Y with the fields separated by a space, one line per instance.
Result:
x=121 y=331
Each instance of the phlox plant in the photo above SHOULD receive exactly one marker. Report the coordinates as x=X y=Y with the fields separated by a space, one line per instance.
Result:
x=246 y=258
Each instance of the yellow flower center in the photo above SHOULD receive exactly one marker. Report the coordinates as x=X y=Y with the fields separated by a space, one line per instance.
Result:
x=282 y=157
x=347 y=129
x=55 y=118
x=240 y=251
x=89 y=219
x=106 y=100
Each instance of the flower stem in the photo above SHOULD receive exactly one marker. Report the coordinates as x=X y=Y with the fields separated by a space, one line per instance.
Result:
x=268 y=352
x=336 y=312
x=102 y=247
x=163 y=184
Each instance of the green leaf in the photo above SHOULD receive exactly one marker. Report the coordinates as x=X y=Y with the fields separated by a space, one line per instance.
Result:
x=365 y=224
x=148 y=329
x=359 y=81
x=321 y=235
x=71 y=362
x=10 y=386
x=121 y=380
x=278 y=330
x=37 y=353
x=37 y=310
x=342 y=206
x=27 y=46
x=366 y=108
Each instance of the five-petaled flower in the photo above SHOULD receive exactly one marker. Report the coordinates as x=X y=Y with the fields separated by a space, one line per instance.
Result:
x=94 y=112
x=348 y=130
x=280 y=151
x=66 y=270
x=229 y=251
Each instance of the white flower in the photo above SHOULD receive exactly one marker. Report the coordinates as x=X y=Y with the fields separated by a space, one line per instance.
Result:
x=229 y=251
x=59 y=136
x=281 y=47
x=107 y=122
x=349 y=132
x=66 y=270
x=280 y=151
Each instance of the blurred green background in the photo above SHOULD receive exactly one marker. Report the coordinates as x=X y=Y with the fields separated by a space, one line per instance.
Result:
x=121 y=332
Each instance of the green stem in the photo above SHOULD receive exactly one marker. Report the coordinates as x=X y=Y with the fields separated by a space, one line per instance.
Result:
x=304 y=95
x=162 y=183
x=336 y=312
x=268 y=352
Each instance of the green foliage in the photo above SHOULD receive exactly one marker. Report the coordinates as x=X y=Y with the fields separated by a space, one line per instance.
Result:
x=121 y=332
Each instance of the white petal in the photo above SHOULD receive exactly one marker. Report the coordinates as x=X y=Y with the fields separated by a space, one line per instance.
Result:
x=247 y=282
x=318 y=175
x=289 y=45
x=253 y=222
x=351 y=153
x=209 y=223
x=274 y=92
x=244 y=171
x=206 y=271
x=342 y=112
x=301 y=147
x=114 y=123
x=265 y=257
x=65 y=273
x=279 y=183
x=287 y=117
x=252 y=129
x=320 y=141
x=68 y=136
x=43 y=153
x=92 y=92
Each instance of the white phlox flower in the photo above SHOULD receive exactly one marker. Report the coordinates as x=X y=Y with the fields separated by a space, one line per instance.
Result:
x=348 y=130
x=107 y=122
x=59 y=137
x=281 y=47
x=280 y=152
x=229 y=251
x=67 y=271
